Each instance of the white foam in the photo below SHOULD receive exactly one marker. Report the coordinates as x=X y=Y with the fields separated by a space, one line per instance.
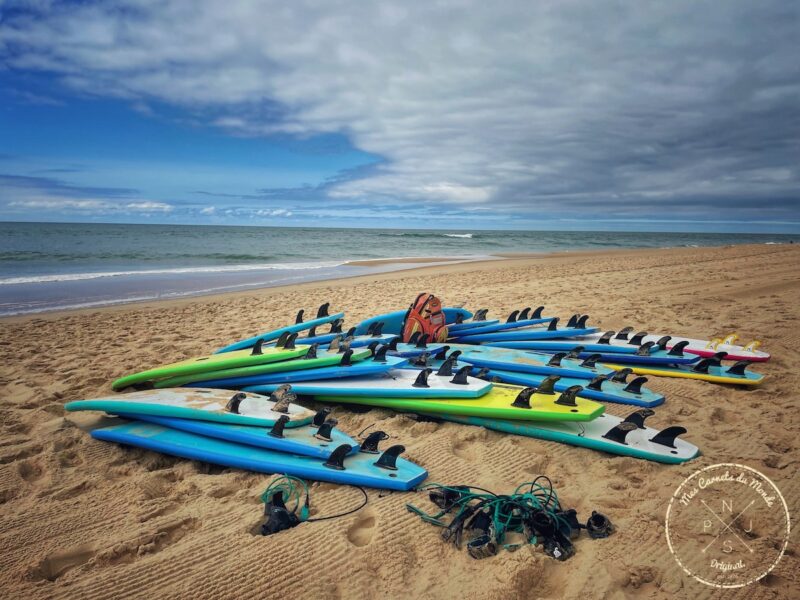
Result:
x=458 y=235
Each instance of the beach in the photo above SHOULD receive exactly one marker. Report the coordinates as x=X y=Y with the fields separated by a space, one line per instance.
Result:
x=85 y=519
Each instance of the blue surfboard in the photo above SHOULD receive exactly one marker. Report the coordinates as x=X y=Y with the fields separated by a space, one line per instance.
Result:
x=534 y=333
x=393 y=321
x=606 y=353
x=527 y=362
x=359 y=469
x=499 y=327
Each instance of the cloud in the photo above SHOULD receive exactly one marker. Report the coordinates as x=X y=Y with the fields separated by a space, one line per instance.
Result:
x=531 y=109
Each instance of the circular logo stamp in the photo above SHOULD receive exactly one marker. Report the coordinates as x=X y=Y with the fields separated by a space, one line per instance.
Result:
x=727 y=525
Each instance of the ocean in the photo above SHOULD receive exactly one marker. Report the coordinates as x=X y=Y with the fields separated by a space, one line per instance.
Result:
x=53 y=266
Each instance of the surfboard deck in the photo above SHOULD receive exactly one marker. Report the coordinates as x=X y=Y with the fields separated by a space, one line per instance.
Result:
x=197 y=403
x=637 y=442
x=527 y=362
x=495 y=404
x=359 y=469
x=714 y=374
x=539 y=333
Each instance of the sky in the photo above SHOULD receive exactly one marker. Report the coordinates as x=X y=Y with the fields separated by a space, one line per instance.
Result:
x=590 y=114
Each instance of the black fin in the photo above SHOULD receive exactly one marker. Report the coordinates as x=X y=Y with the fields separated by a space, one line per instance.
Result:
x=334 y=344
x=555 y=360
x=388 y=459
x=662 y=342
x=321 y=416
x=257 y=351
x=620 y=432
x=677 y=349
x=446 y=369
x=512 y=318
x=644 y=349
x=422 y=379
x=345 y=345
x=277 y=428
x=638 y=417
x=635 y=386
x=336 y=326
x=234 y=402
x=373 y=346
x=567 y=397
x=322 y=311
x=553 y=325
x=455 y=354
x=289 y=345
x=380 y=354
x=738 y=368
x=441 y=353
x=347 y=358
x=523 y=399
x=377 y=331
x=596 y=384
x=548 y=385
x=350 y=332
x=370 y=443
x=461 y=376
x=621 y=376
x=523 y=314
x=637 y=339
x=392 y=345
x=718 y=358
x=325 y=430
x=414 y=337
x=703 y=365
x=623 y=333
x=537 y=314
x=573 y=320
x=369 y=329
x=299 y=318
x=312 y=332
x=459 y=319
x=422 y=342
x=312 y=352
x=581 y=324
x=480 y=315
x=336 y=459
x=421 y=360
x=666 y=437
x=591 y=361
x=575 y=352
x=605 y=338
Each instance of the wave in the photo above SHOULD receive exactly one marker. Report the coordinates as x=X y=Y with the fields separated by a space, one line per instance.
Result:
x=175 y=271
x=428 y=234
x=458 y=235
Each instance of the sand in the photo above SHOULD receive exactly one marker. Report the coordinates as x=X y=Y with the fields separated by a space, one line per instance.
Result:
x=85 y=519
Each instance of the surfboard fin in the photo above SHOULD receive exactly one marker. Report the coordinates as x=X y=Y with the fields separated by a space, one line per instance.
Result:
x=422 y=341
x=637 y=339
x=620 y=432
x=567 y=397
x=334 y=345
x=573 y=321
x=441 y=353
x=414 y=337
x=312 y=352
x=480 y=315
x=512 y=318
x=350 y=333
x=596 y=384
x=590 y=362
x=548 y=385
x=282 y=397
x=336 y=326
x=446 y=370
x=523 y=399
x=537 y=314
x=336 y=459
x=662 y=342
x=322 y=311
x=233 y=404
x=714 y=361
x=677 y=349
x=666 y=437
x=739 y=368
x=555 y=360
x=459 y=319
x=377 y=331
x=345 y=345
x=379 y=355
x=421 y=360
x=523 y=314
x=422 y=379
x=312 y=332
x=581 y=324
x=635 y=386
x=623 y=333
x=482 y=373
x=553 y=325
x=257 y=351
x=606 y=338
x=638 y=418
x=392 y=345
x=299 y=318
x=388 y=460
x=575 y=352
x=321 y=417
x=277 y=428
x=347 y=358
x=370 y=443
x=644 y=349
x=325 y=430
x=461 y=376
x=621 y=376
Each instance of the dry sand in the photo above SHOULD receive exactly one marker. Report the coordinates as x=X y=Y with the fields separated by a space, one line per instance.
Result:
x=85 y=519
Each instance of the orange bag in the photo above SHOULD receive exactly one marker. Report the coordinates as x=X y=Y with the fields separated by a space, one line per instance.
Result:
x=425 y=316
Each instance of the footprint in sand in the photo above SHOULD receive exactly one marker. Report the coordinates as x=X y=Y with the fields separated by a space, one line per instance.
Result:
x=56 y=564
x=360 y=533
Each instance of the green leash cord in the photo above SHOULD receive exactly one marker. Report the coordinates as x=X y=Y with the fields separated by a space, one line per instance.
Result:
x=296 y=492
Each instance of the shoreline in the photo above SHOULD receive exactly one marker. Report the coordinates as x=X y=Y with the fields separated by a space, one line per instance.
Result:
x=454 y=265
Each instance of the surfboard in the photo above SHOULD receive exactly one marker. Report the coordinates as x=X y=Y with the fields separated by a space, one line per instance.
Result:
x=502 y=402
x=204 y=404
x=607 y=433
x=516 y=320
x=601 y=388
x=322 y=358
x=393 y=321
x=708 y=369
x=397 y=383
x=646 y=354
x=322 y=318
x=526 y=333
x=241 y=358
x=703 y=348
x=529 y=362
x=252 y=382
x=385 y=471
x=304 y=440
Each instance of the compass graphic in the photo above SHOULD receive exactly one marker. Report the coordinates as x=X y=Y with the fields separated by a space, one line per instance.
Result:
x=727 y=525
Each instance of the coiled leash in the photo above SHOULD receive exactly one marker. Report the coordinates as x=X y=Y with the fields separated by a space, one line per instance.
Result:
x=486 y=519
